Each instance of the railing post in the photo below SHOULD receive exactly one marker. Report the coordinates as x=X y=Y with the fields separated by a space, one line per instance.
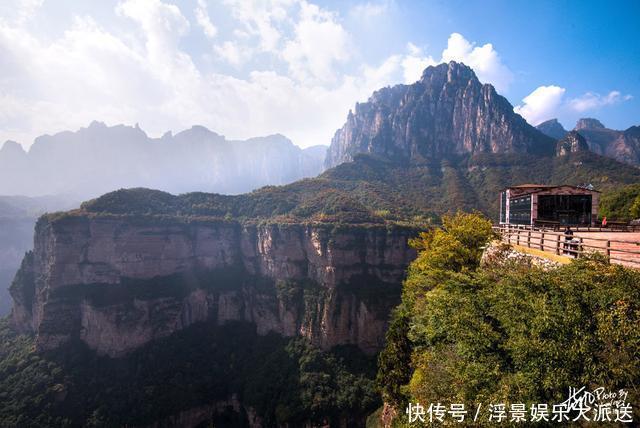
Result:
x=529 y=238
x=609 y=250
x=541 y=241
x=579 y=249
x=558 y=245
x=518 y=238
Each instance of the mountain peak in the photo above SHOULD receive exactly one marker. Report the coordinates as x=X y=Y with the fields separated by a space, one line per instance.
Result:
x=199 y=133
x=95 y=124
x=447 y=112
x=552 y=128
x=589 y=123
x=11 y=147
x=453 y=72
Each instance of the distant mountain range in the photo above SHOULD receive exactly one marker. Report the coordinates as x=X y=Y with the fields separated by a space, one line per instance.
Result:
x=623 y=146
x=411 y=152
x=101 y=158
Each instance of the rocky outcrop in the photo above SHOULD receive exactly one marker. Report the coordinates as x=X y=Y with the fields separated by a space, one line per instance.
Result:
x=588 y=123
x=499 y=253
x=572 y=143
x=447 y=112
x=553 y=129
x=623 y=146
x=118 y=282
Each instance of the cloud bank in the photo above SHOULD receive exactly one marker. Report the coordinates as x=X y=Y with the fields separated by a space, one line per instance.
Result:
x=263 y=67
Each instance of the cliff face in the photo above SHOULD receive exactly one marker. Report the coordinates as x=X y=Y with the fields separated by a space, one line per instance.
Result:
x=573 y=142
x=623 y=146
x=117 y=283
x=447 y=112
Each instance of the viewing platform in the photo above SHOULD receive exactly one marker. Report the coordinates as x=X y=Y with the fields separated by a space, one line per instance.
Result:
x=619 y=246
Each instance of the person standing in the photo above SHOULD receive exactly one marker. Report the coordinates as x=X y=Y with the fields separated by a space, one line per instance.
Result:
x=568 y=237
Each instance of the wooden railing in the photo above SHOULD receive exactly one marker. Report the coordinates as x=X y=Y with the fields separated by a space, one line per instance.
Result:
x=626 y=252
x=612 y=226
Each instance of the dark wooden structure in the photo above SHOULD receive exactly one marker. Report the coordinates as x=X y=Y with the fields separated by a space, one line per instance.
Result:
x=549 y=206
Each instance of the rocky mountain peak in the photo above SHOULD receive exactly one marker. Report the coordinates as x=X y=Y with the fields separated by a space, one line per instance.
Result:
x=633 y=131
x=447 y=112
x=573 y=142
x=198 y=133
x=589 y=123
x=452 y=72
x=552 y=128
x=96 y=124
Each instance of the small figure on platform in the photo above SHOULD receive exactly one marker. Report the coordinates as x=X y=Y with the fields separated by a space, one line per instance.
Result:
x=568 y=238
x=604 y=221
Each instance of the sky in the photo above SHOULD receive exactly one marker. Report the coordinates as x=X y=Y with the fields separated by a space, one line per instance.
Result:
x=247 y=68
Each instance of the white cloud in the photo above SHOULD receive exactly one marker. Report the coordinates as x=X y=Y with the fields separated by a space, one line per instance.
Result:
x=484 y=60
x=541 y=104
x=262 y=19
x=143 y=74
x=296 y=71
x=369 y=10
x=591 y=100
x=204 y=21
x=414 y=63
x=319 y=43
x=19 y=11
x=233 y=53
x=547 y=102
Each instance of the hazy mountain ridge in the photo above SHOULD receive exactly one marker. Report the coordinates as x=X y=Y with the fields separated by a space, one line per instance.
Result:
x=447 y=112
x=99 y=158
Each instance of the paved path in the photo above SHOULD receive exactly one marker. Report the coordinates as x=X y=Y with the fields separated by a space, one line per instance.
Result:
x=626 y=259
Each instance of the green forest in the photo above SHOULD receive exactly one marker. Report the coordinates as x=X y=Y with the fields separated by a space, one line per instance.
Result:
x=469 y=332
x=285 y=381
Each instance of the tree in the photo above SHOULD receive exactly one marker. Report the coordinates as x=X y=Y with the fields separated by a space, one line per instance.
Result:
x=508 y=332
x=635 y=208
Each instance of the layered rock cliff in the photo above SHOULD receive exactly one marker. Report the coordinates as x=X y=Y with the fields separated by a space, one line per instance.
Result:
x=447 y=112
x=118 y=282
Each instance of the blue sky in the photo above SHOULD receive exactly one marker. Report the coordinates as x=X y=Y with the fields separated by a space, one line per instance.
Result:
x=245 y=67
